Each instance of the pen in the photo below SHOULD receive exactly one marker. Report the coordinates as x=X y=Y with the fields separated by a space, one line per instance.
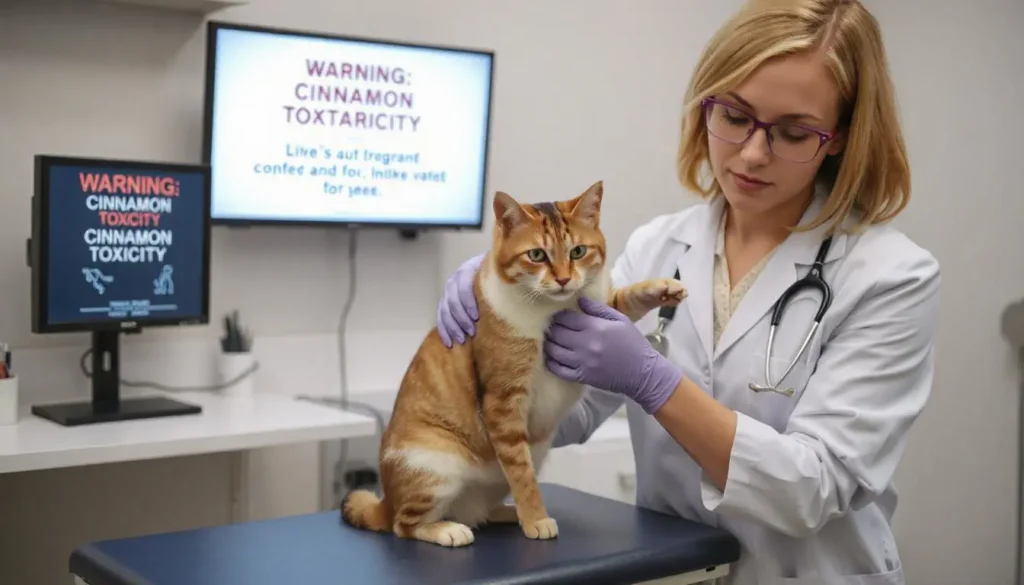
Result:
x=235 y=340
x=238 y=331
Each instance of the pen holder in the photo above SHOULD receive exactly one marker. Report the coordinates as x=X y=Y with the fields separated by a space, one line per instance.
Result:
x=231 y=365
x=9 y=401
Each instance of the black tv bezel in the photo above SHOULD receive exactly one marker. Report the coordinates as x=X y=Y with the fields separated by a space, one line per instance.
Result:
x=214 y=26
x=39 y=249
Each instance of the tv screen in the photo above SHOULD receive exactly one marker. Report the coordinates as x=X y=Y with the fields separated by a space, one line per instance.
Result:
x=306 y=128
x=119 y=244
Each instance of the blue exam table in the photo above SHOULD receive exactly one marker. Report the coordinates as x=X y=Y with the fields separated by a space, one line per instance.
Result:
x=600 y=542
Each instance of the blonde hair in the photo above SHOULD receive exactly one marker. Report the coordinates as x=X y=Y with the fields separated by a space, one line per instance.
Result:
x=872 y=173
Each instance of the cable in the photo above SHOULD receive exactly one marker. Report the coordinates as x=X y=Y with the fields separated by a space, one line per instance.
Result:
x=157 y=386
x=352 y=405
x=1018 y=568
x=1012 y=328
x=353 y=278
x=344 y=403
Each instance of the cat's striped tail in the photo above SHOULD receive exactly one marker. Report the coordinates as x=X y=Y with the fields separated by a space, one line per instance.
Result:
x=363 y=509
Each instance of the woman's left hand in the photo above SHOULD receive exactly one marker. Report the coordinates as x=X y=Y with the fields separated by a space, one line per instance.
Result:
x=602 y=348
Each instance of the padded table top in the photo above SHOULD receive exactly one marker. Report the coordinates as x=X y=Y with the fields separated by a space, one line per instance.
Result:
x=600 y=542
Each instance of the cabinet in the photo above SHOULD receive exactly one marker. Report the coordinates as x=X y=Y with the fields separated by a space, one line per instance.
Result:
x=602 y=466
x=196 y=6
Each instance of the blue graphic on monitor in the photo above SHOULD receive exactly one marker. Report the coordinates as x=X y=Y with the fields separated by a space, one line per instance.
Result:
x=97 y=279
x=164 y=283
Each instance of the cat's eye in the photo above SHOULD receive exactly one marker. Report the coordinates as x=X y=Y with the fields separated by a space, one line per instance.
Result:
x=537 y=255
x=577 y=252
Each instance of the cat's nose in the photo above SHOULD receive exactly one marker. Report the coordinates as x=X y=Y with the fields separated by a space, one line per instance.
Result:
x=562 y=281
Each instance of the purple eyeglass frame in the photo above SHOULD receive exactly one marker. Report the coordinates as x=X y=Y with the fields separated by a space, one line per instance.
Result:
x=823 y=137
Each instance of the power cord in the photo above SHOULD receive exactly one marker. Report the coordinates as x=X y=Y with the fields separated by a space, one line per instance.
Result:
x=1018 y=568
x=344 y=403
x=157 y=386
x=350 y=300
x=1012 y=328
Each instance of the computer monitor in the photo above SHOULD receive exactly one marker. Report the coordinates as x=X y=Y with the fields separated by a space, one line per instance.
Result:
x=117 y=245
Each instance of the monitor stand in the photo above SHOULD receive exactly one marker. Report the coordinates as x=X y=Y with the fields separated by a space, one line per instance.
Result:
x=107 y=404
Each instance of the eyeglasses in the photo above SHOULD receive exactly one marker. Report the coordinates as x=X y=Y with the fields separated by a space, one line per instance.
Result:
x=786 y=140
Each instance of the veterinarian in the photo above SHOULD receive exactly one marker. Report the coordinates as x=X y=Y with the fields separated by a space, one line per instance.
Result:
x=792 y=111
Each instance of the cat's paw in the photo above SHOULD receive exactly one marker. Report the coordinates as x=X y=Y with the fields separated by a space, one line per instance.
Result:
x=658 y=292
x=452 y=534
x=637 y=300
x=542 y=529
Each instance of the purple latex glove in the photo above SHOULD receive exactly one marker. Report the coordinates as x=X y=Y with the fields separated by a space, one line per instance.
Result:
x=602 y=348
x=457 y=310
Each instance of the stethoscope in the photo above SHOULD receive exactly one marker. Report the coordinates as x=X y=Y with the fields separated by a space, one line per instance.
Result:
x=813 y=279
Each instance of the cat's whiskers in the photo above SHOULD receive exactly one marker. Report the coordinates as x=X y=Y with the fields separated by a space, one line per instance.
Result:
x=530 y=295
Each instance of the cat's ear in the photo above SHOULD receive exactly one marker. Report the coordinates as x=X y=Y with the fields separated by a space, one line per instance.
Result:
x=587 y=207
x=507 y=212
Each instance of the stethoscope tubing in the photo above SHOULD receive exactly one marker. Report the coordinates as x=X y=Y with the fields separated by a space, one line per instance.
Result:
x=813 y=279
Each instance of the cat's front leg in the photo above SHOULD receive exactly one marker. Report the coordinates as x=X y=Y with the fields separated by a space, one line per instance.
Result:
x=636 y=300
x=506 y=427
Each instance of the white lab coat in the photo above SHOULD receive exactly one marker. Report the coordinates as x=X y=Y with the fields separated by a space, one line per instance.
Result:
x=809 y=493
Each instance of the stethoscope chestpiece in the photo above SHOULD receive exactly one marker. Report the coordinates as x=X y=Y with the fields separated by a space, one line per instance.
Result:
x=783 y=391
x=657 y=338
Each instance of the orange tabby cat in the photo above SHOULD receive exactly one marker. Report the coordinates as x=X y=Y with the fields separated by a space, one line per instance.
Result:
x=473 y=422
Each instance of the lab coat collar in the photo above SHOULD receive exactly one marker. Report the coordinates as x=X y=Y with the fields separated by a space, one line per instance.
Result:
x=696 y=266
x=788 y=263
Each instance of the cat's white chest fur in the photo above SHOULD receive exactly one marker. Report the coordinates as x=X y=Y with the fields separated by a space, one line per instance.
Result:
x=551 y=397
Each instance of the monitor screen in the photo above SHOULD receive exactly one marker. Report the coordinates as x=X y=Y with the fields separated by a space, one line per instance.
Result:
x=313 y=129
x=119 y=244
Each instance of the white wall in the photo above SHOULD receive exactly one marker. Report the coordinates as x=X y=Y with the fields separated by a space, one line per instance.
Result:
x=960 y=103
x=584 y=90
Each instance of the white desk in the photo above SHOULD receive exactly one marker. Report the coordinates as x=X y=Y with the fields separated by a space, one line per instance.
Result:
x=226 y=424
x=232 y=463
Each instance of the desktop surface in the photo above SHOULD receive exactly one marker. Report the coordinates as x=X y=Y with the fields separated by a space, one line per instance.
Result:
x=600 y=542
x=226 y=423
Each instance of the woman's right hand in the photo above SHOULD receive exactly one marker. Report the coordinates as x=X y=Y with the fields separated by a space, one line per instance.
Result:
x=457 y=310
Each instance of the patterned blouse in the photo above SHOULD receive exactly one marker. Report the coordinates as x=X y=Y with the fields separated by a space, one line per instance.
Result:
x=727 y=297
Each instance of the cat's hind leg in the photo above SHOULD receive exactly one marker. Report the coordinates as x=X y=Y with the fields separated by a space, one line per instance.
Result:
x=427 y=483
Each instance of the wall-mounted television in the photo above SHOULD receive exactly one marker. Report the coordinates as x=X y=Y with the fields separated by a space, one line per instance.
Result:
x=314 y=129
